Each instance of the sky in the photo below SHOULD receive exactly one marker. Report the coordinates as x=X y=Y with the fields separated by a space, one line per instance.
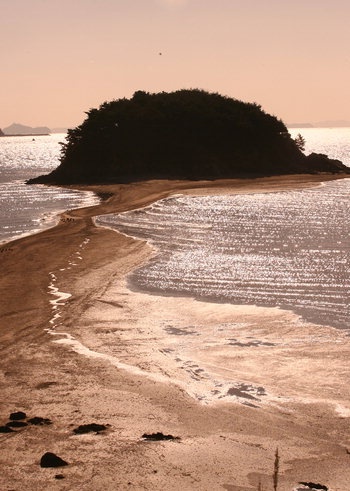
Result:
x=60 y=58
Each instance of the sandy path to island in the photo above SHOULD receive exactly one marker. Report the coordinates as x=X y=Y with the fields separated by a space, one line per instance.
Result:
x=78 y=347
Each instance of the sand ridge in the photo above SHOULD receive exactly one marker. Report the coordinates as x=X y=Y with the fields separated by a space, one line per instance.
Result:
x=226 y=443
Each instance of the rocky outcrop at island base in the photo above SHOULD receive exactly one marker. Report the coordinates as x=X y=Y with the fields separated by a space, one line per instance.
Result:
x=319 y=162
x=2 y=133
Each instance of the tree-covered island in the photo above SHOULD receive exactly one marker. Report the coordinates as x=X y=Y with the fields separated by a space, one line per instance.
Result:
x=187 y=134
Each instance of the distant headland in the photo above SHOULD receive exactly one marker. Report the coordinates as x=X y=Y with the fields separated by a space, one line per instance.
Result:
x=17 y=129
x=186 y=134
x=322 y=124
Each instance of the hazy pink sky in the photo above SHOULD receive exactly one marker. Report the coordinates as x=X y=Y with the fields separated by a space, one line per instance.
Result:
x=61 y=57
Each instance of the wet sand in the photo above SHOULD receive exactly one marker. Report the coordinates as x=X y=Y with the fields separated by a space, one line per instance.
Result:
x=232 y=382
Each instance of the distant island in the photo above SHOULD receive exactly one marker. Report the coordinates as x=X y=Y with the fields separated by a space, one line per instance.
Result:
x=61 y=129
x=186 y=134
x=300 y=125
x=322 y=124
x=16 y=129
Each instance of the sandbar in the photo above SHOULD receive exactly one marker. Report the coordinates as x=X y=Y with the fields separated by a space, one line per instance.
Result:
x=232 y=382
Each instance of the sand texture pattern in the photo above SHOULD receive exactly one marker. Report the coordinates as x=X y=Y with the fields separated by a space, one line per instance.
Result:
x=78 y=347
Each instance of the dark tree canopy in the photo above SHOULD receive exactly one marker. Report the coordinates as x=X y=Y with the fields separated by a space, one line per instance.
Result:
x=187 y=134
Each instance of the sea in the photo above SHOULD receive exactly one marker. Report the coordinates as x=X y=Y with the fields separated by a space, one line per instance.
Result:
x=287 y=249
x=29 y=209
x=284 y=249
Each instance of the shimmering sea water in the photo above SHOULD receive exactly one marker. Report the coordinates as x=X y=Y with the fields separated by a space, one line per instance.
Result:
x=28 y=209
x=287 y=249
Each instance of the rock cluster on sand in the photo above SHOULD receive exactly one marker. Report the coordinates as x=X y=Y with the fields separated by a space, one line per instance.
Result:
x=17 y=420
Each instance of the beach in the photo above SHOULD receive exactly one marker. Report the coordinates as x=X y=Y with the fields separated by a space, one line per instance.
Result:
x=79 y=347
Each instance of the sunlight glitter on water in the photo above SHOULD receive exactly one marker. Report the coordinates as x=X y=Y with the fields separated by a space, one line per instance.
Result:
x=334 y=142
x=287 y=249
x=29 y=209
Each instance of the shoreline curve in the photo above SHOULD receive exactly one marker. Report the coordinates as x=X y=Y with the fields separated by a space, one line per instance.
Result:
x=225 y=446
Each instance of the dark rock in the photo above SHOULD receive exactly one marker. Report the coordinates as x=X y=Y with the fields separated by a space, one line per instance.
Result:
x=319 y=162
x=16 y=424
x=92 y=427
x=313 y=486
x=18 y=416
x=51 y=460
x=6 y=429
x=37 y=420
x=59 y=476
x=159 y=436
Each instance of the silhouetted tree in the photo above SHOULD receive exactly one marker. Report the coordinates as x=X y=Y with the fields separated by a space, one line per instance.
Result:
x=300 y=142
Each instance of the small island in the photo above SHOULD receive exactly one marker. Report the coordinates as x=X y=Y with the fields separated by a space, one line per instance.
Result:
x=186 y=134
x=17 y=129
